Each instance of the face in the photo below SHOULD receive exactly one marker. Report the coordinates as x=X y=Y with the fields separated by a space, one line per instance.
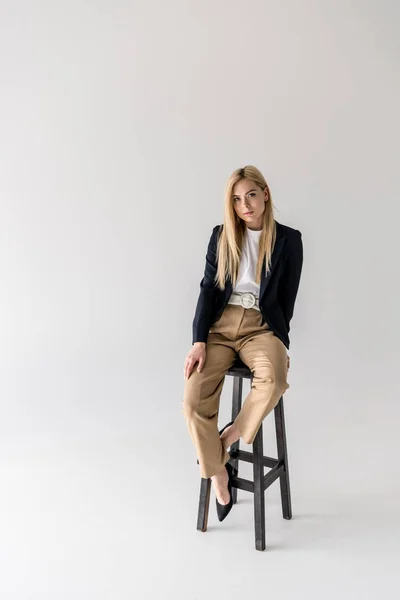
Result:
x=249 y=202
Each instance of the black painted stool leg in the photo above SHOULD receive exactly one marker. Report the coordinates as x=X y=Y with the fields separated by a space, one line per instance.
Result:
x=283 y=458
x=204 y=504
x=236 y=406
x=259 y=495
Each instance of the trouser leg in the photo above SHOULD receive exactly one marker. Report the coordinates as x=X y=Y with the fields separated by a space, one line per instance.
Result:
x=266 y=356
x=201 y=399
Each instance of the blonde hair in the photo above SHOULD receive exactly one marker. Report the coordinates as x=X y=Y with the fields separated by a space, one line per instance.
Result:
x=230 y=241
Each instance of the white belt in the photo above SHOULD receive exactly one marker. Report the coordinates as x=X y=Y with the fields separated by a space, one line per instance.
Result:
x=245 y=299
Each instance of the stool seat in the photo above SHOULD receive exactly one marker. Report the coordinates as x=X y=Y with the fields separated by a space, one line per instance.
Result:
x=278 y=466
x=239 y=369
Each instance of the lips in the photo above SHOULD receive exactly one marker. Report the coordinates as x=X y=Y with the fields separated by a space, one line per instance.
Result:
x=246 y=214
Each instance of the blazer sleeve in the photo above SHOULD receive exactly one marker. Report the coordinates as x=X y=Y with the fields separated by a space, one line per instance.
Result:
x=208 y=289
x=291 y=275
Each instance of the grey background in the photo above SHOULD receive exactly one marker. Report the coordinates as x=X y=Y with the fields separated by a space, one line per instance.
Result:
x=120 y=123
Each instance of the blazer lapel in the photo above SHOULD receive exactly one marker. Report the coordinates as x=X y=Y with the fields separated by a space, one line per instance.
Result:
x=279 y=244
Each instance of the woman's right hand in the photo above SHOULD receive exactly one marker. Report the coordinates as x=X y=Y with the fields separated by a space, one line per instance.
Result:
x=197 y=353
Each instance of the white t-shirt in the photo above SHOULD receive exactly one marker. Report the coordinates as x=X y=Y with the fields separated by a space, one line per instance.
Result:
x=247 y=270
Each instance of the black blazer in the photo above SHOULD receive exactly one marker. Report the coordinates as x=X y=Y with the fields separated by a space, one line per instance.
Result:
x=278 y=290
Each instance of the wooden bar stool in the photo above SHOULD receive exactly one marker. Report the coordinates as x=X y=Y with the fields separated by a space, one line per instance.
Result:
x=278 y=466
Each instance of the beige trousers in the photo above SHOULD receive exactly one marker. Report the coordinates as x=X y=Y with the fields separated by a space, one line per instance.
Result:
x=239 y=331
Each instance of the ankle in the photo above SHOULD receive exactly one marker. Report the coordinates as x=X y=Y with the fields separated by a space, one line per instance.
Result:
x=230 y=435
x=220 y=475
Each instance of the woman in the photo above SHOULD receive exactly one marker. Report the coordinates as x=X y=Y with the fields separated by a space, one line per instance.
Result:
x=246 y=302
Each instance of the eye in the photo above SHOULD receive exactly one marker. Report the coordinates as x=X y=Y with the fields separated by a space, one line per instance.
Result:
x=252 y=194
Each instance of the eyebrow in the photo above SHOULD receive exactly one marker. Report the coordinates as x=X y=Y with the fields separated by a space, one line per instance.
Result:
x=253 y=190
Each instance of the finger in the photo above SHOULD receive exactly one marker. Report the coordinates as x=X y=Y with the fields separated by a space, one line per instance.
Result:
x=186 y=370
x=188 y=362
x=189 y=369
x=185 y=366
x=201 y=363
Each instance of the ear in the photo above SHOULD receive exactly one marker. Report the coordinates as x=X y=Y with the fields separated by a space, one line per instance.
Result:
x=266 y=198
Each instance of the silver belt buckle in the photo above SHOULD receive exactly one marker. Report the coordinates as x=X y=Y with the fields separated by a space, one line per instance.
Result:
x=247 y=300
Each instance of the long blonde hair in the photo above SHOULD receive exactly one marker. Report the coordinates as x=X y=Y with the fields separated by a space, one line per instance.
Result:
x=230 y=241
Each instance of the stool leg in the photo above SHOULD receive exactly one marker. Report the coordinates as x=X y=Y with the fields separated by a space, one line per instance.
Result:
x=204 y=504
x=283 y=457
x=236 y=406
x=259 y=496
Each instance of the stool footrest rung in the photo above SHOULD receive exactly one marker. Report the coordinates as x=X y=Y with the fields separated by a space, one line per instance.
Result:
x=248 y=457
x=248 y=486
x=273 y=474
x=243 y=484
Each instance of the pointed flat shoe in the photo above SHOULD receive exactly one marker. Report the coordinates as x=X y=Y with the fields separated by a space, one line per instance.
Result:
x=224 y=509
